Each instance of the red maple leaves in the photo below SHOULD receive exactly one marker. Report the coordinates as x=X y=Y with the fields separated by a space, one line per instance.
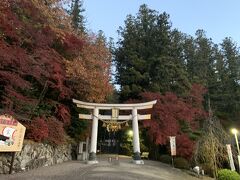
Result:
x=43 y=63
x=172 y=115
x=40 y=133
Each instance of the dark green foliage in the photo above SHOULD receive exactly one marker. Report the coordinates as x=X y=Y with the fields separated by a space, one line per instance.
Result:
x=78 y=20
x=229 y=66
x=181 y=163
x=78 y=127
x=165 y=159
x=217 y=68
x=147 y=57
x=195 y=135
x=152 y=56
x=126 y=149
x=226 y=174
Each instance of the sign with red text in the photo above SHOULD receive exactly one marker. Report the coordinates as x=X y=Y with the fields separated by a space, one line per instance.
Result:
x=173 y=145
x=11 y=134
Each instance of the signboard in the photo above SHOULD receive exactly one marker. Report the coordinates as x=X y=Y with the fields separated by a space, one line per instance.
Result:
x=11 y=134
x=229 y=151
x=173 y=145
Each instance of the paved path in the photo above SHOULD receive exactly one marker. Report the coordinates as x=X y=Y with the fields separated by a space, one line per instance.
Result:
x=121 y=170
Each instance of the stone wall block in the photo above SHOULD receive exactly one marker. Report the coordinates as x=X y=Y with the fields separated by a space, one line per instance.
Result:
x=34 y=155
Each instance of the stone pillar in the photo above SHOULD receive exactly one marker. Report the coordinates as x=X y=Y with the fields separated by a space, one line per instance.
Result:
x=136 y=143
x=93 y=147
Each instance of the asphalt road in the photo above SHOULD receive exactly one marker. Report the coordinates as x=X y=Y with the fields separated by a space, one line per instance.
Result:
x=104 y=170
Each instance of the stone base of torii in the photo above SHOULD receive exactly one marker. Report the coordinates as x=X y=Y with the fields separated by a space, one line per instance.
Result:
x=95 y=116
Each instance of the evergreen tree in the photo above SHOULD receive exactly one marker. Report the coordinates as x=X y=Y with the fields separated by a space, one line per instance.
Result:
x=215 y=83
x=151 y=56
x=199 y=58
x=144 y=56
x=230 y=80
x=76 y=12
x=203 y=57
x=189 y=56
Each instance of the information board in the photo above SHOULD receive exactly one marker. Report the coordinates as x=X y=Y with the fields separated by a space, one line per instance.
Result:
x=11 y=134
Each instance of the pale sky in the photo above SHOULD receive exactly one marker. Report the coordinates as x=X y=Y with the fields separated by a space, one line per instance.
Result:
x=219 y=18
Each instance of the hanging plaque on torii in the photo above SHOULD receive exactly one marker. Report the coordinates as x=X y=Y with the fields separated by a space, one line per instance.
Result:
x=109 y=120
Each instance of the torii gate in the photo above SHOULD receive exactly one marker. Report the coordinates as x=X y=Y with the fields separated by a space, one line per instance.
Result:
x=95 y=116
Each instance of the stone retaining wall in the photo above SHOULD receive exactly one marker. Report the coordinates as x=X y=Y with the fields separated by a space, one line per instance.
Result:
x=34 y=155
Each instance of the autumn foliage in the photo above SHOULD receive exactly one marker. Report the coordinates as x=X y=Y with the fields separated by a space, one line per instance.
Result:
x=43 y=64
x=175 y=116
x=91 y=69
x=40 y=133
x=46 y=129
x=55 y=131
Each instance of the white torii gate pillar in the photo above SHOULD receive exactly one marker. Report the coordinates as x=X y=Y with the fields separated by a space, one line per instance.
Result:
x=93 y=147
x=136 y=143
x=135 y=117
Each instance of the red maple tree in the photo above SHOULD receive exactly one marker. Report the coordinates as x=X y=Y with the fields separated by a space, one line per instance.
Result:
x=38 y=50
x=171 y=114
x=37 y=134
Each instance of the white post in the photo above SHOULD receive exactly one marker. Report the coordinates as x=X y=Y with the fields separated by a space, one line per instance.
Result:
x=93 y=148
x=136 y=144
x=229 y=151
x=236 y=138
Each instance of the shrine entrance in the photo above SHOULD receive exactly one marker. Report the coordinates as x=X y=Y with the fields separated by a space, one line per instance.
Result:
x=114 y=122
x=109 y=141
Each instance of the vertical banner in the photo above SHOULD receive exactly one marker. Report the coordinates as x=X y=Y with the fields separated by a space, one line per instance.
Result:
x=173 y=145
x=229 y=151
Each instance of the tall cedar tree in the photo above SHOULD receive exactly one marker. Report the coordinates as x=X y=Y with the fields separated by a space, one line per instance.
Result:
x=229 y=99
x=147 y=58
x=76 y=12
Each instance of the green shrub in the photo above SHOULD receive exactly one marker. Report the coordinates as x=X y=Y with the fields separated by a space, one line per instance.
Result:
x=181 y=163
x=226 y=174
x=165 y=159
x=155 y=156
x=126 y=149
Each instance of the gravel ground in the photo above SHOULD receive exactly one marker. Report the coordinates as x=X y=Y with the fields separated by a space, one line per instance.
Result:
x=116 y=170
